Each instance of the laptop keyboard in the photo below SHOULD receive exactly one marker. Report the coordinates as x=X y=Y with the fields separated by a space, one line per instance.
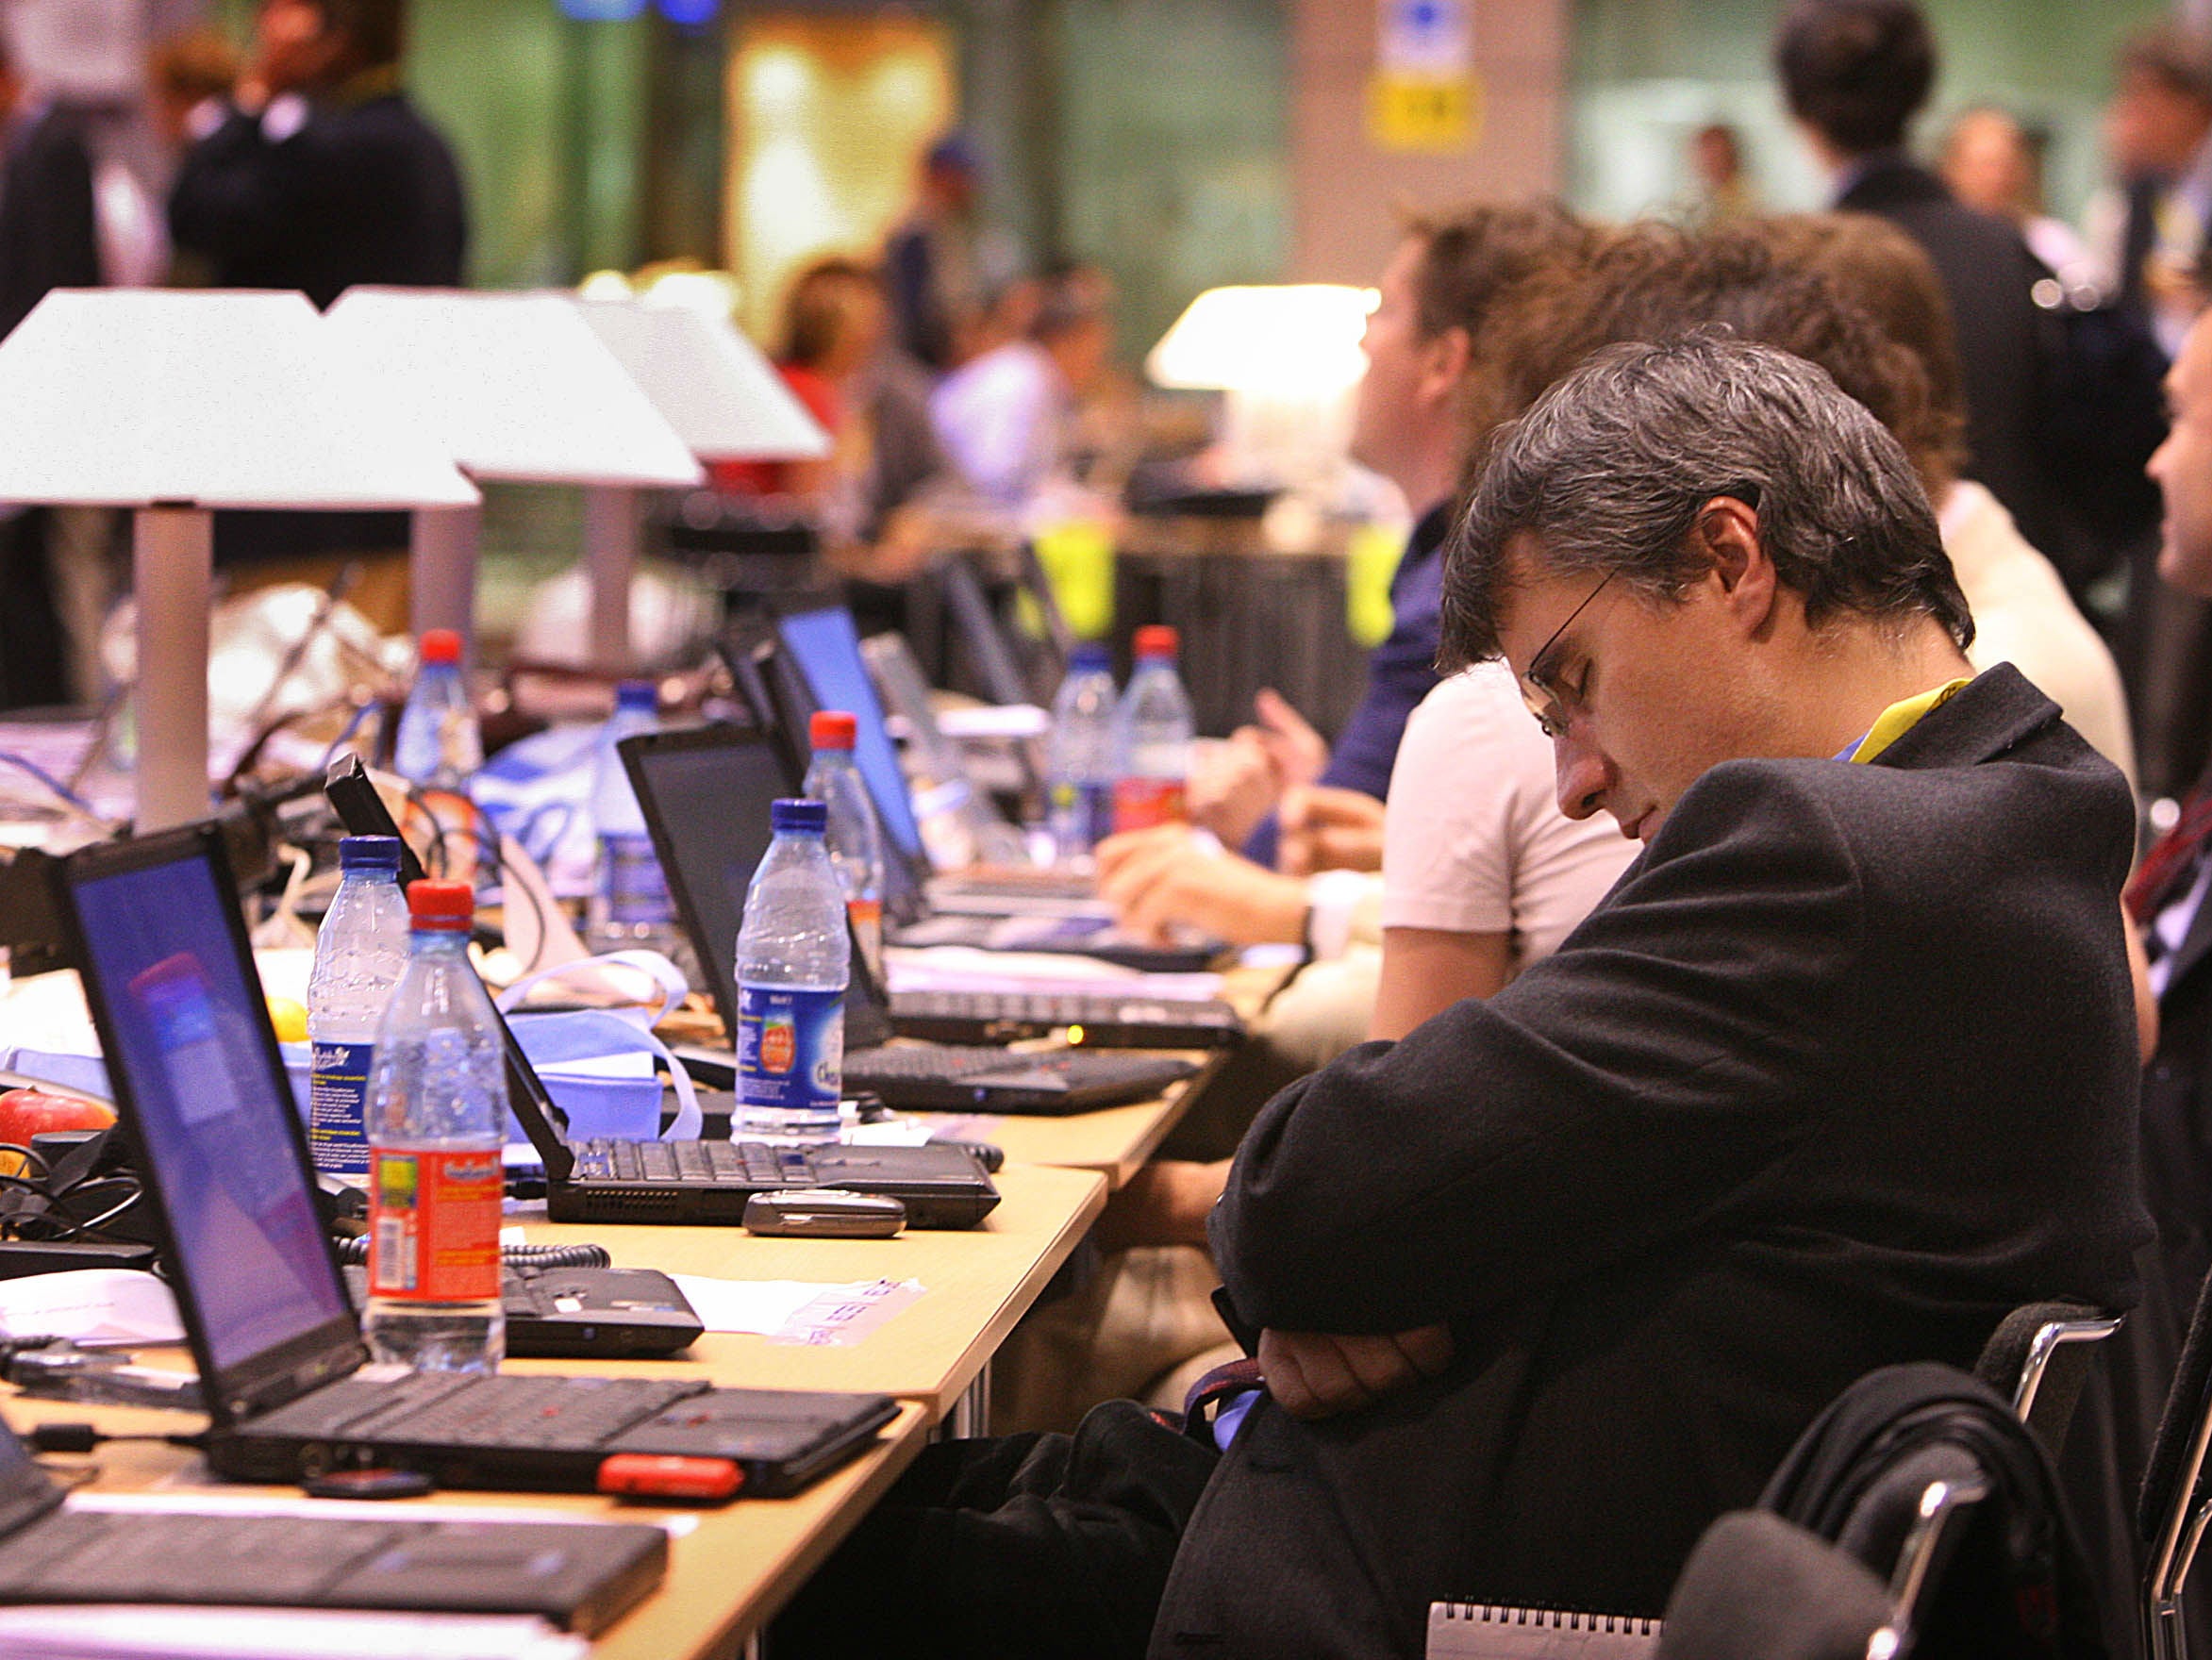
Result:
x=720 y=1163
x=558 y=1414
x=1056 y=1008
x=75 y=1555
x=1076 y=1068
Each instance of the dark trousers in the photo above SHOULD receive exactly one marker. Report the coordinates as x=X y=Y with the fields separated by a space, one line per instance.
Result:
x=1045 y=1546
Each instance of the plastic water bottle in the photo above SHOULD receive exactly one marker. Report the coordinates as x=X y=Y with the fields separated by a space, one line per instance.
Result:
x=437 y=1107
x=360 y=951
x=793 y=958
x=1153 y=725
x=438 y=745
x=854 y=839
x=1081 y=757
x=630 y=905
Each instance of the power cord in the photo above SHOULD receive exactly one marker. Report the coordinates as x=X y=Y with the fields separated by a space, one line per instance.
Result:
x=354 y=1253
x=83 y=1437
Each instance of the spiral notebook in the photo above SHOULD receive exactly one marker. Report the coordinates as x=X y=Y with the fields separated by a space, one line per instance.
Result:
x=1487 y=1631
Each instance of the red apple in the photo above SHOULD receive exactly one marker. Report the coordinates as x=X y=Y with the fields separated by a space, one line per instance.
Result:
x=25 y=1113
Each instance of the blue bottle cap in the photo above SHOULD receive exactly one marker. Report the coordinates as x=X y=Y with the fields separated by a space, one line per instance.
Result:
x=638 y=694
x=1089 y=657
x=368 y=853
x=801 y=814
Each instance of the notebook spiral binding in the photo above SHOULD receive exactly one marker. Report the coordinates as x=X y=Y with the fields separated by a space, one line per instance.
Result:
x=1495 y=1614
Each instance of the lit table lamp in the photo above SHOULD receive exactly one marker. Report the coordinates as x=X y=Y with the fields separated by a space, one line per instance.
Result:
x=724 y=399
x=174 y=404
x=1287 y=356
x=512 y=386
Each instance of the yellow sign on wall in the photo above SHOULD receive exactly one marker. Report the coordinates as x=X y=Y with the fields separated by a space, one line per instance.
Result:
x=1417 y=113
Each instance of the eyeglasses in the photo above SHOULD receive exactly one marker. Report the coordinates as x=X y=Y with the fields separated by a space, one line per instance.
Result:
x=1545 y=700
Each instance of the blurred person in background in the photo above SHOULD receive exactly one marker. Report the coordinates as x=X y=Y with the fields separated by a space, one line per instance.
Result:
x=322 y=176
x=2022 y=613
x=49 y=238
x=1009 y=417
x=1995 y=166
x=1854 y=73
x=2158 y=137
x=191 y=75
x=837 y=355
x=1721 y=190
x=943 y=265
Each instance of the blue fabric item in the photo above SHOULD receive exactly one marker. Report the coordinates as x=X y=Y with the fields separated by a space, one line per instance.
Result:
x=619 y=1109
x=1231 y=1415
x=87 y=1073
x=1399 y=673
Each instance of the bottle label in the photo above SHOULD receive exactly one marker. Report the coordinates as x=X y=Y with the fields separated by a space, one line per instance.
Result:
x=434 y=1225
x=1082 y=815
x=631 y=884
x=338 y=1107
x=1142 y=803
x=791 y=1047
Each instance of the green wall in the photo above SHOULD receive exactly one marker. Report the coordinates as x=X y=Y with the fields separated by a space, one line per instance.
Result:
x=1646 y=74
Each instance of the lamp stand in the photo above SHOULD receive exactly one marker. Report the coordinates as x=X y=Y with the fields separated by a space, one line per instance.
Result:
x=610 y=564
x=172 y=556
x=441 y=572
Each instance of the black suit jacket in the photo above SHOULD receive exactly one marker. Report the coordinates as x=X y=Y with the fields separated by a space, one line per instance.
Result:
x=1987 y=273
x=1840 y=1073
x=363 y=192
x=49 y=235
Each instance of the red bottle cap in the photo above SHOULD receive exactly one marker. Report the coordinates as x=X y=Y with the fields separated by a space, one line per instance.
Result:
x=442 y=907
x=1157 y=640
x=441 y=645
x=833 y=729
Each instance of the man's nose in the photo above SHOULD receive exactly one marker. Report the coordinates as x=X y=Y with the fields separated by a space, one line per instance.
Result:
x=1582 y=775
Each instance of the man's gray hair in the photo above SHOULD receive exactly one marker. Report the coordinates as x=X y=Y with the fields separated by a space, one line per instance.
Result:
x=1610 y=469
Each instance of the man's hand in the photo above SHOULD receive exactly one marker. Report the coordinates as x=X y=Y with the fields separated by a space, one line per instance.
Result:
x=1171 y=874
x=1233 y=785
x=1329 y=829
x=1164 y=1203
x=1312 y=1375
x=1297 y=752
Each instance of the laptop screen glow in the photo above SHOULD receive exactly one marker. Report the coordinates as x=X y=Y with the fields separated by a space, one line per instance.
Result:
x=207 y=1107
x=827 y=647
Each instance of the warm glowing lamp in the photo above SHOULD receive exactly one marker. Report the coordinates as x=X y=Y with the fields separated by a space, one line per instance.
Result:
x=726 y=402
x=1287 y=356
x=174 y=404
x=514 y=386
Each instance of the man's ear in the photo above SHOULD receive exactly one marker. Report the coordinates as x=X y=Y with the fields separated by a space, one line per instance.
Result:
x=1444 y=360
x=1728 y=533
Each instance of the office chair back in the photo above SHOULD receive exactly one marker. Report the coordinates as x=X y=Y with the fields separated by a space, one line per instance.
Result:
x=2039 y=1358
x=2169 y=1516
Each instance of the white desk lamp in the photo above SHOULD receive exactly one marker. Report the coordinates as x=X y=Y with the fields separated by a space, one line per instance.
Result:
x=724 y=399
x=1287 y=356
x=515 y=387
x=174 y=404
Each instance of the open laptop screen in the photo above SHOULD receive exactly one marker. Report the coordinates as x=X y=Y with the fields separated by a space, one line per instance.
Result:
x=190 y=1056
x=708 y=796
x=826 y=648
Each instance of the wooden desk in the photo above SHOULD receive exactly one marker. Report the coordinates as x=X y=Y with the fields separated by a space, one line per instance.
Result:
x=980 y=1281
x=726 y=1577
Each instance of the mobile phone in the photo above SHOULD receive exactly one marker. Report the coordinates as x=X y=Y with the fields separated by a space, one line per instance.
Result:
x=823 y=1213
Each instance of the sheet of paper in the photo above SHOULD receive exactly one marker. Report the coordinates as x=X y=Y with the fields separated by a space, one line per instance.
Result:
x=107 y=1633
x=117 y=1307
x=993 y=721
x=796 y=1311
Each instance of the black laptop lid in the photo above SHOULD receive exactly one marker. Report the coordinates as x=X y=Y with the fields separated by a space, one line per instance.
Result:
x=203 y=1095
x=361 y=810
x=827 y=647
x=705 y=795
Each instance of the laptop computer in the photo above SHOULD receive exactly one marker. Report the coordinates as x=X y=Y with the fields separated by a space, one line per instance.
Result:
x=706 y=793
x=941 y=1186
x=580 y=1576
x=786 y=669
x=156 y=933
x=582 y=1313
